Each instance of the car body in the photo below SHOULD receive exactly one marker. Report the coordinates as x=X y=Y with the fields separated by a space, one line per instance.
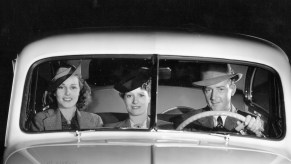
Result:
x=103 y=53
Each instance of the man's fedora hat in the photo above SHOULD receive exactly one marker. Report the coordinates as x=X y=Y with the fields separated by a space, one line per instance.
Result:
x=215 y=73
x=62 y=74
x=133 y=81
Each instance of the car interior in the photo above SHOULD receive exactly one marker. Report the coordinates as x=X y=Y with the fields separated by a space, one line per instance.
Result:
x=175 y=93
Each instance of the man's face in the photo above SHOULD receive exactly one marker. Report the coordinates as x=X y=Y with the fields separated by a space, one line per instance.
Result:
x=218 y=96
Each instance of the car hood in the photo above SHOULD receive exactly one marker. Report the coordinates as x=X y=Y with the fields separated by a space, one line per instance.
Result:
x=142 y=154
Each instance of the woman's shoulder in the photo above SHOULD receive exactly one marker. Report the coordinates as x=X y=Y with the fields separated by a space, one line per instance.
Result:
x=90 y=115
x=46 y=113
x=123 y=123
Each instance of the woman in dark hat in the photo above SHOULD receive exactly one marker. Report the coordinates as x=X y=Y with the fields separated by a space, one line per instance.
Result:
x=67 y=95
x=135 y=92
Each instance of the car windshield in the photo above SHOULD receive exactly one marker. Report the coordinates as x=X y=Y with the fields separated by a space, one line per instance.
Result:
x=144 y=92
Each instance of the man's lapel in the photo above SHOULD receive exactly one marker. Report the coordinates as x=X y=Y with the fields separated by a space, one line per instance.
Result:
x=206 y=122
x=230 y=123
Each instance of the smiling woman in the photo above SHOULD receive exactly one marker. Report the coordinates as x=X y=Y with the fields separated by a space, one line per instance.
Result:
x=135 y=92
x=64 y=99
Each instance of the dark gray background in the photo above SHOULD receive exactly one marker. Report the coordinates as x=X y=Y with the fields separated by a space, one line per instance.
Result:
x=21 y=21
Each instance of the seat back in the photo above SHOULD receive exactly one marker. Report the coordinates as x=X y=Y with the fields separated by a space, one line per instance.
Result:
x=107 y=99
x=172 y=101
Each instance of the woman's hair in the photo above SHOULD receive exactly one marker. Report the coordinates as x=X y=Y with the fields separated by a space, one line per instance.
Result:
x=84 y=96
x=145 y=86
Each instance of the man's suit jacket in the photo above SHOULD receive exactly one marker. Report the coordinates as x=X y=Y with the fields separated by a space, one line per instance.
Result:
x=207 y=123
x=50 y=119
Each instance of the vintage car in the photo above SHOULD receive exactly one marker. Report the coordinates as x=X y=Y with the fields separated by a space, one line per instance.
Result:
x=173 y=59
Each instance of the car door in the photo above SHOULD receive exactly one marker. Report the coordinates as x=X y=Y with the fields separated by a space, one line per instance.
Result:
x=263 y=95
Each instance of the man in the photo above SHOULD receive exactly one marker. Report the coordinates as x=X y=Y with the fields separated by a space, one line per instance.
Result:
x=218 y=84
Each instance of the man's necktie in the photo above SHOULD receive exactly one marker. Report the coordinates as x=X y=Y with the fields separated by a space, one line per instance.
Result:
x=219 y=122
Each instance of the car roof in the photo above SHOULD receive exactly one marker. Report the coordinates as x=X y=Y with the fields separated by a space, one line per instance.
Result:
x=234 y=47
x=237 y=47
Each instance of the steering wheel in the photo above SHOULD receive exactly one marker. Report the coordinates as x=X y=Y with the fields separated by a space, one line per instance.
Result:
x=177 y=110
x=210 y=113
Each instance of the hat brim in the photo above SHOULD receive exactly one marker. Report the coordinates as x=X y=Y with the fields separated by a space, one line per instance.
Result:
x=207 y=82
x=63 y=77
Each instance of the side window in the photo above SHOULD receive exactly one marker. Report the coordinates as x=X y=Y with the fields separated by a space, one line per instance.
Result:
x=261 y=89
x=265 y=98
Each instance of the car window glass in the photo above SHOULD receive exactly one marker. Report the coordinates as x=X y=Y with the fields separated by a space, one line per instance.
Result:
x=261 y=84
x=101 y=74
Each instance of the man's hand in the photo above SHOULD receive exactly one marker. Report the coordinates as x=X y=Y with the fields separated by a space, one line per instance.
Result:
x=251 y=123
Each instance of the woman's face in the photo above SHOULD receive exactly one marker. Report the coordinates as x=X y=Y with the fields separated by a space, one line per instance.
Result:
x=67 y=94
x=137 y=101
